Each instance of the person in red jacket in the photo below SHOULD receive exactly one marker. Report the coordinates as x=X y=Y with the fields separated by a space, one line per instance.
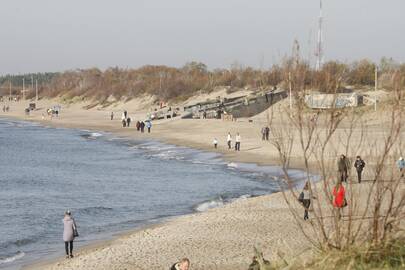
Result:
x=339 y=200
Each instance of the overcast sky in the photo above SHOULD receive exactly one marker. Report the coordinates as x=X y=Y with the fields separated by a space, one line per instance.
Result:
x=56 y=35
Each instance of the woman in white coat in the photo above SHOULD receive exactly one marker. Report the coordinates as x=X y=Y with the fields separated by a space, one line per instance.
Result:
x=69 y=233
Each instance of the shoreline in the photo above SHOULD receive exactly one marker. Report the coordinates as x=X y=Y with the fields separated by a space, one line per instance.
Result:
x=231 y=156
x=103 y=242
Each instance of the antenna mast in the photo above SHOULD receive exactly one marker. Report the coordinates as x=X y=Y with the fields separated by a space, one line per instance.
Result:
x=319 y=49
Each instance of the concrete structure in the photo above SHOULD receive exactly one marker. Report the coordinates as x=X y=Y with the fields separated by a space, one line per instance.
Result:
x=327 y=101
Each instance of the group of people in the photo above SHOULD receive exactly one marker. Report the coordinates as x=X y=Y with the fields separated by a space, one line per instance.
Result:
x=125 y=119
x=338 y=193
x=140 y=125
x=343 y=165
x=265 y=133
x=6 y=108
x=237 y=141
x=229 y=142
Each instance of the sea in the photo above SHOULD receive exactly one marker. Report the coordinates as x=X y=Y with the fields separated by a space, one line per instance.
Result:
x=110 y=184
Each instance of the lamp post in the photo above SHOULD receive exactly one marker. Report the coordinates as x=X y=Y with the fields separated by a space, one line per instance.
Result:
x=375 y=87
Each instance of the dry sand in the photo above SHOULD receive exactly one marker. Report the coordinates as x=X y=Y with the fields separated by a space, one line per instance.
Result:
x=221 y=238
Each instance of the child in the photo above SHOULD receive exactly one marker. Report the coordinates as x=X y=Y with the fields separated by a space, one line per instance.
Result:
x=215 y=143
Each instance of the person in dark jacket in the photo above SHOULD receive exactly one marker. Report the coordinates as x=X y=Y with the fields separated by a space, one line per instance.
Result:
x=267 y=130
x=263 y=133
x=138 y=125
x=305 y=198
x=142 y=125
x=359 y=164
x=128 y=121
x=184 y=264
x=124 y=123
x=343 y=166
x=112 y=116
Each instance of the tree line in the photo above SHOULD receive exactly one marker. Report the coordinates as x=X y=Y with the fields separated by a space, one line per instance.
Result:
x=170 y=83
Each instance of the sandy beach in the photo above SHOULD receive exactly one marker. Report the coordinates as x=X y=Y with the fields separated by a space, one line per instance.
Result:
x=220 y=238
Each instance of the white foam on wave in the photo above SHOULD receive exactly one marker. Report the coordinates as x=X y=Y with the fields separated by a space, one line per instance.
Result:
x=243 y=197
x=202 y=207
x=233 y=165
x=18 y=256
x=96 y=134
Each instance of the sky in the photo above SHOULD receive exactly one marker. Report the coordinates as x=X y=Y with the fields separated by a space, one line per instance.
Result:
x=58 y=35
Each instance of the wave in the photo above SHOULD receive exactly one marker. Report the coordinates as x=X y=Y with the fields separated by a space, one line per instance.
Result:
x=91 y=135
x=218 y=202
x=13 y=258
x=96 y=134
x=18 y=243
x=94 y=210
x=204 y=206
x=233 y=165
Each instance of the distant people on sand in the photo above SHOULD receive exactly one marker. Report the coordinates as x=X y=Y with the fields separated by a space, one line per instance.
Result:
x=204 y=115
x=215 y=142
x=229 y=140
x=142 y=126
x=343 y=166
x=138 y=125
x=124 y=122
x=128 y=121
x=183 y=264
x=305 y=198
x=125 y=114
x=69 y=233
x=339 y=197
x=148 y=125
x=112 y=115
x=401 y=166
x=265 y=133
x=359 y=164
x=237 y=142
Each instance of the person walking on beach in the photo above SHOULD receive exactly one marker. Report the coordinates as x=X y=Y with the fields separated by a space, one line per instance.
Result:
x=401 y=166
x=128 y=121
x=237 y=142
x=215 y=143
x=305 y=198
x=343 y=166
x=138 y=125
x=142 y=125
x=183 y=264
x=263 y=133
x=148 y=125
x=339 y=199
x=125 y=114
x=112 y=115
x=124 y=123
x=267 y=131
x=69 y=233
x=359 y=164
x=229 y=140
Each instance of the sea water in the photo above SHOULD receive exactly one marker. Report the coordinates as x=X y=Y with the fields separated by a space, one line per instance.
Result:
x=110 y=184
